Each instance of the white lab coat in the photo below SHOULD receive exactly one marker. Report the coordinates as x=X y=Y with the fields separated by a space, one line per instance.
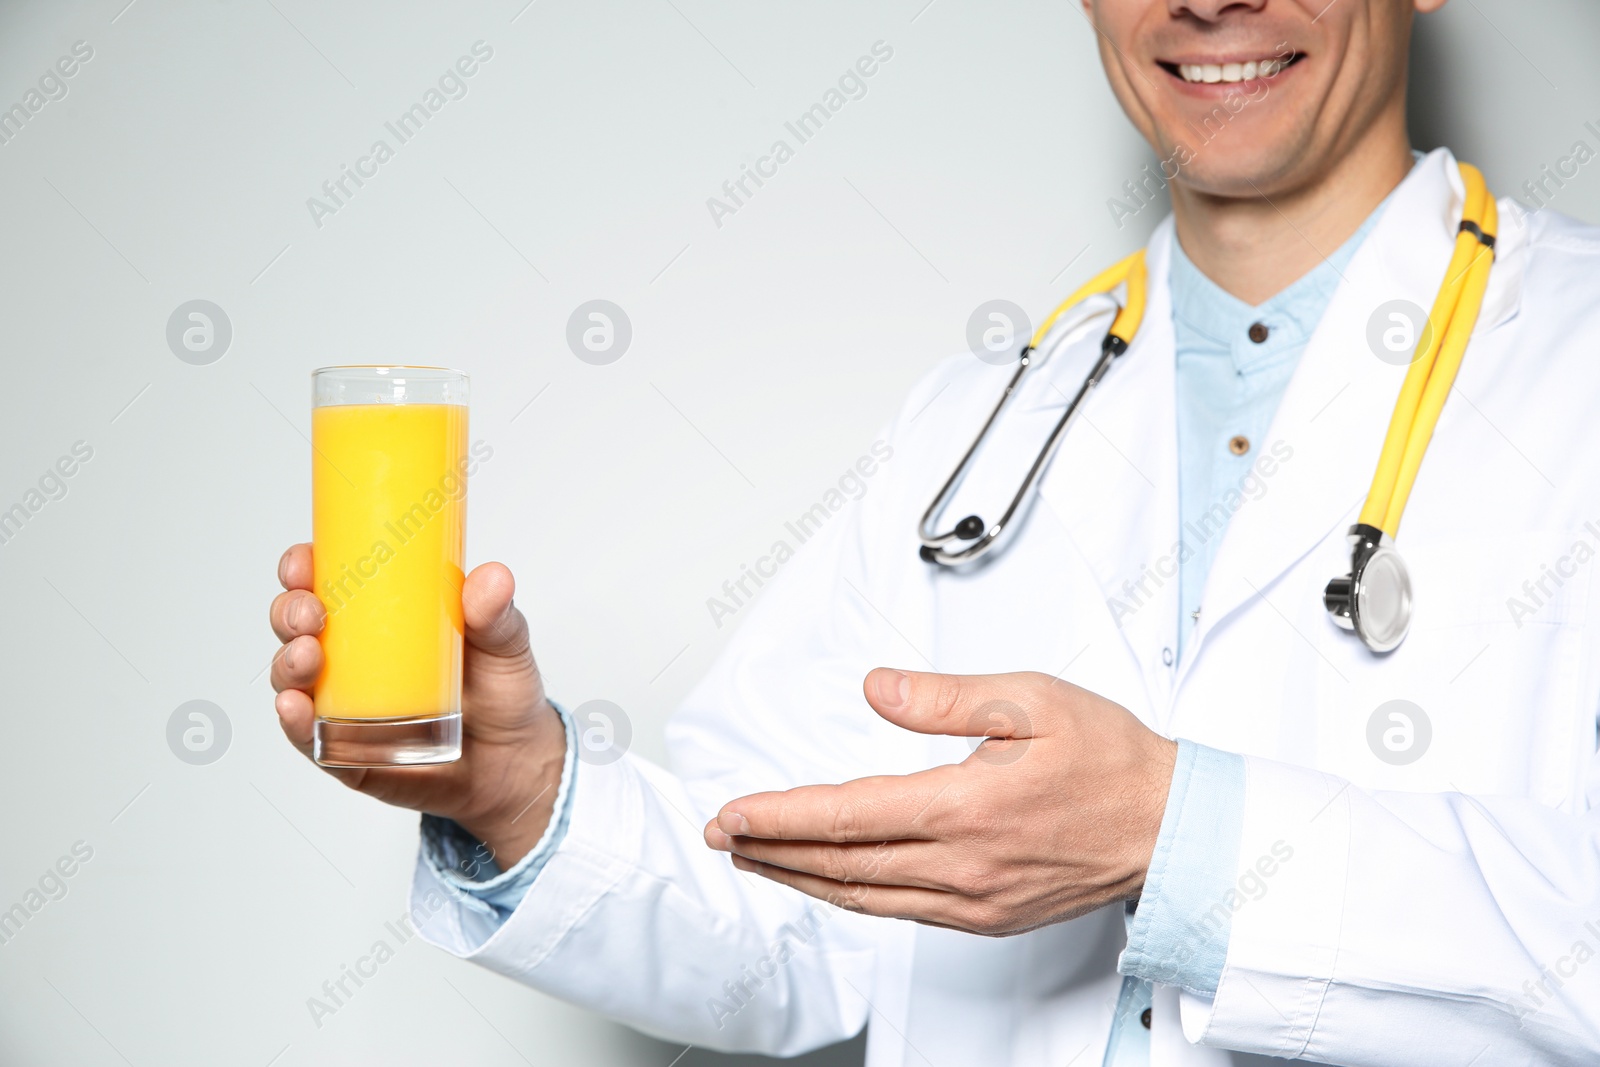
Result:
x=1419 y=899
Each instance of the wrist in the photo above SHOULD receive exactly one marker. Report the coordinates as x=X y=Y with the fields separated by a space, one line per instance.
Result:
x=521 y=801
x=1150 y=808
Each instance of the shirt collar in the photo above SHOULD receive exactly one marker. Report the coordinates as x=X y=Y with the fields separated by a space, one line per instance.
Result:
x=1202 y=307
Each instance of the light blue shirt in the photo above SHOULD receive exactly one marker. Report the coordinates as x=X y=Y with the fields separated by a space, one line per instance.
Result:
x=1234 y=362
x=1228 y=387
x=1229 y=384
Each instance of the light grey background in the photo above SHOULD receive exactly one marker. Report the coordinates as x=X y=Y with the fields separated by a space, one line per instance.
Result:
x=766 y=353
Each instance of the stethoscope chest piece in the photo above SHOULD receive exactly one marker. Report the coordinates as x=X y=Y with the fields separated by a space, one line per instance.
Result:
x=1374 y=599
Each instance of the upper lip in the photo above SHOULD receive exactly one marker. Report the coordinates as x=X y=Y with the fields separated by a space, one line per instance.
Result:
x=1273 y=52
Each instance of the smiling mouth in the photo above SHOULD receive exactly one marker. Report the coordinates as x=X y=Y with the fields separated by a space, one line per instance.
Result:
x=1232 y=72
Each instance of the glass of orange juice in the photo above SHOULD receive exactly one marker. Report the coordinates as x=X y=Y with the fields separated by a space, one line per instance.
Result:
x=389 y=473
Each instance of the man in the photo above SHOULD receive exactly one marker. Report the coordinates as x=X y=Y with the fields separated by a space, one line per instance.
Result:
x=1315 y=871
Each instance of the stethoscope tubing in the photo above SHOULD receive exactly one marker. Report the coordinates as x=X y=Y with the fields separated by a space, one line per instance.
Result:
x=1374 y=599
x=933 y=549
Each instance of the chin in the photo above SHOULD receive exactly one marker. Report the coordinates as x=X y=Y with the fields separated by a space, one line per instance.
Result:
x=1253 y=156
x=1247 y=175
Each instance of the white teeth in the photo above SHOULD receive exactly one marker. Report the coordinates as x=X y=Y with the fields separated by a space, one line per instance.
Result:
x=1230 y=72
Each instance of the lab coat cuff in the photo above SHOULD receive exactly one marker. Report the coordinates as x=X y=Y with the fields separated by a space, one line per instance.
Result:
x=1179 y=934
x=466 y=867
x=1292 y=873
x=600 y=846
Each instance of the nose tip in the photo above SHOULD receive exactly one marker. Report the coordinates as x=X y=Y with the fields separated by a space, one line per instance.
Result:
x=1212 y=10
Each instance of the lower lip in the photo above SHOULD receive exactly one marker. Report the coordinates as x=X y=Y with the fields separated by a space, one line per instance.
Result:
x=1222 y=90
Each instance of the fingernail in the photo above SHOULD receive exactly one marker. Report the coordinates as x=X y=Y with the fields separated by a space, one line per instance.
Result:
x=295 y=607
x=892 y=688
x=733 y=824
x=718 y=840
x=288 y=655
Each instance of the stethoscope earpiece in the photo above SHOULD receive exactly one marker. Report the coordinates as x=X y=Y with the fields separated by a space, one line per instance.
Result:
x=969 y=528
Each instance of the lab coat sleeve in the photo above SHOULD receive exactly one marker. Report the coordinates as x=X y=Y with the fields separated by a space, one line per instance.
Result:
x=633 y=916
x=1408 y=929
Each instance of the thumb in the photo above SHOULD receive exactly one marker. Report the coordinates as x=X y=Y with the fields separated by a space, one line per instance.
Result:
x=960 y=705
x=493 y=624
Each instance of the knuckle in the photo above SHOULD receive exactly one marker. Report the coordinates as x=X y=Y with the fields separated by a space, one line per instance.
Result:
x=836 y=867
x=277 y=611
x=846 y=822
x=877 y=860
x=961 y=882
x=988 y=917
x=948 y=690
x=983 y=823
x=967 y=880
x=852 y=897
x=309 y=614
x=1036 y=683
x=951 y=809
x=302 y=656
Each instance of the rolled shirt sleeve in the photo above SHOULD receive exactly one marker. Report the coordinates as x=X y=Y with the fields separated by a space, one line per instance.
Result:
x=466 y=867
x=1179 y=933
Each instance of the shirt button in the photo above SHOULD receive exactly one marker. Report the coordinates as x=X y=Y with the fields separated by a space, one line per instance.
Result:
x=1238 y=444
x=1144 y=1017
x=1258 y=332
x=1166 y=656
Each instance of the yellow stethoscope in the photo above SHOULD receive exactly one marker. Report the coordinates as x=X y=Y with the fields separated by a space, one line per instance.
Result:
x=1374 y=599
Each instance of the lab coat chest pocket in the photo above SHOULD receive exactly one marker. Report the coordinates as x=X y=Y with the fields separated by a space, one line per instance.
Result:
x=1495 y=674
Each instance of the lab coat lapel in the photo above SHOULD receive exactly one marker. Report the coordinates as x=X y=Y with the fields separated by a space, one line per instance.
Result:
x=1329 y=428
x=1114 y=484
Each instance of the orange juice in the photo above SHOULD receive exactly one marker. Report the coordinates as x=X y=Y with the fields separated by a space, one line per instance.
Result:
x=389 y=490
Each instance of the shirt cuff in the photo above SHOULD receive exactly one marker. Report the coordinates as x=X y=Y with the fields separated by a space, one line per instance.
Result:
x=465 y=866
x=1179 y=934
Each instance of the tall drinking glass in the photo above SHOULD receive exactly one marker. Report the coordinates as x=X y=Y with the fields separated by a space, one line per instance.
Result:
x=388 y=519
